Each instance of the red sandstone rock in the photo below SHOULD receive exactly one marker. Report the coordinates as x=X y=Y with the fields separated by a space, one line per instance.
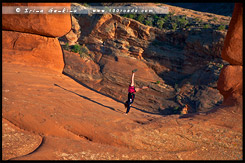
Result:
x=17 y=142
x=78 y=123
x=32 y=50
x=55 y=25
x=232 y=51
x=230 y=81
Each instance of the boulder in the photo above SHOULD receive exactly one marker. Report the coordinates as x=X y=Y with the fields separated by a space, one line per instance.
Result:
x=232 y=50
x=230 y=81
x=54 y=25
x=17 y=142
x=30 y=49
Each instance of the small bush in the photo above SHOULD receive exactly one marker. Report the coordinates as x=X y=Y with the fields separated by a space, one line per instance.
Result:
x=158 y=82
x=155 y=16
x=166 y=17
x=206 y=26
x=221 y=66
x=83 y=51
x=147 y=22
x=197 y=19
x=160 y=23
x=140 y=18
x=215 y=19
x=76 y=48
x=221 y=27
x=85 y=4
x=182 y=22
x=132 y=16
x=174 y=26
x=66 y=47
x=176 y=108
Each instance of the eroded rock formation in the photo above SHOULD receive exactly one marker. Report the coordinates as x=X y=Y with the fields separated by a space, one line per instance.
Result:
x=232 y=51
x=31 y=49
x=53 y=25
x=230 y=83
x=31 y=39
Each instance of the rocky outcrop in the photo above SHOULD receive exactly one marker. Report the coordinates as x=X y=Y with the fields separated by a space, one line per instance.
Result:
x=53 y=25
x=232 y=51
x=30 y=39
x=230 y=83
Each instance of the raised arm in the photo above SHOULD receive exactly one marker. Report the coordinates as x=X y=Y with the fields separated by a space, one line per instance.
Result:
x=138 y=89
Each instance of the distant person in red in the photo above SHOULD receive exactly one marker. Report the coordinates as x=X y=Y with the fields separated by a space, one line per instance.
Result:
x=131 y=92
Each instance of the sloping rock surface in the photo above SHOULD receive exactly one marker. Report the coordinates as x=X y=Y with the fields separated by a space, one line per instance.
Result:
x=77 y=123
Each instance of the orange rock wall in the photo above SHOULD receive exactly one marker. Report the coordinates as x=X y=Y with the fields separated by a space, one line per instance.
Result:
x=232 y=50
x=53 y=25
x=30 y=49
x=230 y=83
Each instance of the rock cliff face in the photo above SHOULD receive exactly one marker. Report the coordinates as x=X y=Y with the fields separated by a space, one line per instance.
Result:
x=32 y=50
x=174 y=58
x=230 y=83
x=232 y=51
x=31 y=39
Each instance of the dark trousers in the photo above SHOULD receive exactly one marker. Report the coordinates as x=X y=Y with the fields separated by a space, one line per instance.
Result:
x=131 y=97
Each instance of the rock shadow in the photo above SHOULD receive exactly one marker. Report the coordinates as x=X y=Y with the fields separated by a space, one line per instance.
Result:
x=86 y=98
x=122 y=102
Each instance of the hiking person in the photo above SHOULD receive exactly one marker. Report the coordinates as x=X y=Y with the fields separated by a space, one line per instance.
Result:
x=131 y=92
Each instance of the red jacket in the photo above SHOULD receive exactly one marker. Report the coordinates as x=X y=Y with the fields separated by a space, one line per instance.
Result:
x=131 y=89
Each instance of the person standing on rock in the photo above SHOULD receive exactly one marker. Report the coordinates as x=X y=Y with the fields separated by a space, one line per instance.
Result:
x=131 y=92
